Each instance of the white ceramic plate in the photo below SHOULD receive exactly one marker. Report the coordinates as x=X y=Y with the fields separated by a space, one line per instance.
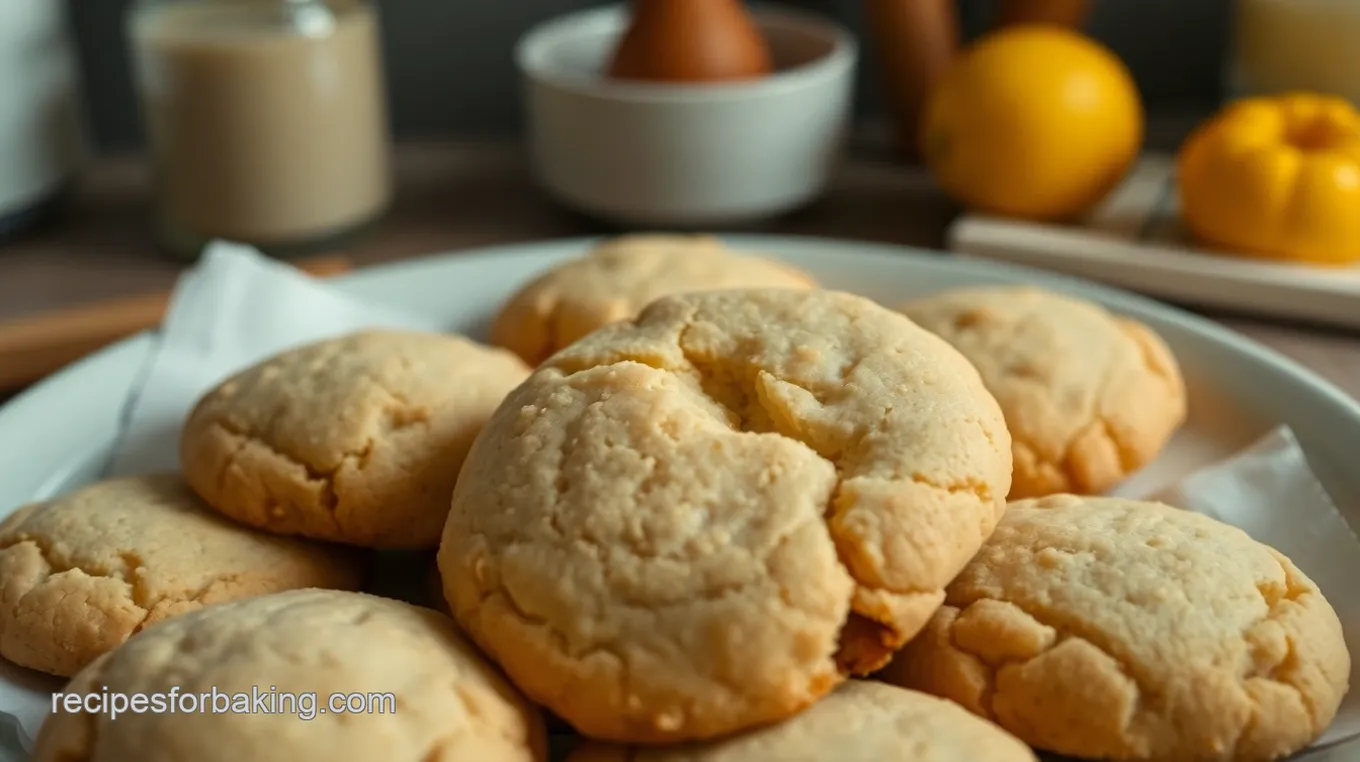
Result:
x=59 y=433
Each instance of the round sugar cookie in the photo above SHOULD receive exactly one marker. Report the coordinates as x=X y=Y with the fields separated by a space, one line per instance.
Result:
x=1106 y=628
x=1089 y=397
x=83 y=572
x=356 y=439
x=703 y=520
x=302 y=676
x=619 y=277
x=861 y=721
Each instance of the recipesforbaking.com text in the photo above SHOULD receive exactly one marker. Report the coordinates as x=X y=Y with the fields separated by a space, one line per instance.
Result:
x=305 y=706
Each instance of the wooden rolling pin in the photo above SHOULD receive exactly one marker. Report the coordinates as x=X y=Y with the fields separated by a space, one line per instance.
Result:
x=1068 y=13
x=916 y=41
x=34 y=346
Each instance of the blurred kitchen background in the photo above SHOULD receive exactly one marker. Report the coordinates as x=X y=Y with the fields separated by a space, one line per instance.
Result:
x=1047 y=155
x=450 y=73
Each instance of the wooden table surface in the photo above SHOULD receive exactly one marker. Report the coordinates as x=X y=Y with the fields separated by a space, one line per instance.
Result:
x=456 y=196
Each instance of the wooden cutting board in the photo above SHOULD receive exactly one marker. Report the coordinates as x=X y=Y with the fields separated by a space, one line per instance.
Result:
x=1135 y=240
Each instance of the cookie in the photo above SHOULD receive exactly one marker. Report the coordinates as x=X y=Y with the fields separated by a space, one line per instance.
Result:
x=702 y=520
x=1089 y=397
x=615 y=280
x=434 y=586
x=1115 y=629
x=861 y=722
x=356 y=439
x=83 y=572
x=342 y=676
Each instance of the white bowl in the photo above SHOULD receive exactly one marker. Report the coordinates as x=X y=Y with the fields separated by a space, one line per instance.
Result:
x=685 y=155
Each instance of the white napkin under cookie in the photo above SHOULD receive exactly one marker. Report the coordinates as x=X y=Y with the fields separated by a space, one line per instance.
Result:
x=232 y=310
x=236 y=307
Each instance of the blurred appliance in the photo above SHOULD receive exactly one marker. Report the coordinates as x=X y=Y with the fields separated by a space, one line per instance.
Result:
x=42 y=137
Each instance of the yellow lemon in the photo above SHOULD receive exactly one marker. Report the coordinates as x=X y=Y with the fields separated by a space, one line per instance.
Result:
x=1035 y=122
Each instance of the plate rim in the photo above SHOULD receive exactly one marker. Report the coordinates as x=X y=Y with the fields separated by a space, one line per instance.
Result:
x=1136 y=305
x=1126 y=300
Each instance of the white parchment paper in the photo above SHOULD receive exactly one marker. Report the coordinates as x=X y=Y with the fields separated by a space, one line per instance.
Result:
x=236 y=308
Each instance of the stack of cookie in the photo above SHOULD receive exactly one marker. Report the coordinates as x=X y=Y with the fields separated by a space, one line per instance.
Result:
x=240 y=574
x=702 y=511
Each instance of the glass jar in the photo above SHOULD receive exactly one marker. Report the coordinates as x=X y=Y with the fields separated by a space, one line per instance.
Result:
x=1282 y=45
x=266 y=121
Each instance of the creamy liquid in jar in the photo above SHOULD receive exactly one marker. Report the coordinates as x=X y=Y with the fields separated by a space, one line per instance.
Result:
x=267 y=120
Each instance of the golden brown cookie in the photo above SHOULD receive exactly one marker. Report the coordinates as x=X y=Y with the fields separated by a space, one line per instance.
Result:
x=619 y=277
x=702 y=520
x=357 y=439
x=861 y=722
x=83 y=572
x=1089 y=397
x=434 y=585
x=1116 y=629
x=342 y=676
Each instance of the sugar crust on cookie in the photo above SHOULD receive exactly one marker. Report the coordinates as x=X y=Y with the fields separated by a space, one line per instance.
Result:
x=357 y=439
x=862 y=721
x=449 y=703
x=619 y=277
x=1089 y=397
x=83 y=572
x=1118 y=629
x=701 y=520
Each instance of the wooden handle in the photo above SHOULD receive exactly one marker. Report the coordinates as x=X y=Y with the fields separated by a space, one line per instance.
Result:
x=916 y=41
x=1069 y=13
x=34 y=346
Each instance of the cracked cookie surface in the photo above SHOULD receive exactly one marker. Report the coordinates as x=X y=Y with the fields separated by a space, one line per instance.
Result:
x=1115 y=629
x=356 y=439
x=1089 y=397
x=702 y=520
x=619 y=277
x=83 y=572
x=861 y=721
x=446 y=702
